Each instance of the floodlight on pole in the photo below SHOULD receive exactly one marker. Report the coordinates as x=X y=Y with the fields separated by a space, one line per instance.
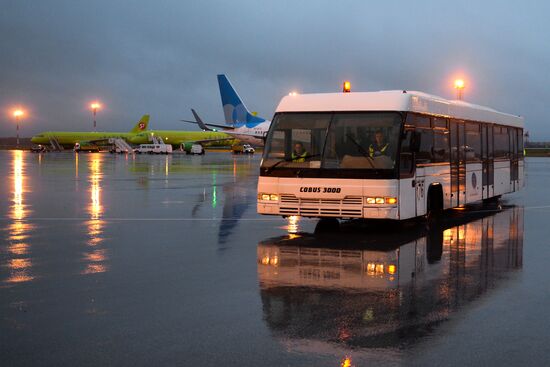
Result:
x=95 y=106
x=459 y=86
x=18 y=114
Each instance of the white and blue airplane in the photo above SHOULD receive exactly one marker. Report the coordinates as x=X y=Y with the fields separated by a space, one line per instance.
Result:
x=240 y=122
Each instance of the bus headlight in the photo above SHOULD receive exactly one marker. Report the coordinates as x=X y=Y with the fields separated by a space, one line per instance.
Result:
x=381 y=200
x=268 y=197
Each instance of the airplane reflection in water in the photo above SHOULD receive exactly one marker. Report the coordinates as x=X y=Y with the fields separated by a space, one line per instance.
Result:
x=382 y=291
x=19 y=264
x=95 y=256
x=235 y=199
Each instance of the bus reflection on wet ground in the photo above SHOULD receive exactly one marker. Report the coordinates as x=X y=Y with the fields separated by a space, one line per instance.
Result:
x=354 y=291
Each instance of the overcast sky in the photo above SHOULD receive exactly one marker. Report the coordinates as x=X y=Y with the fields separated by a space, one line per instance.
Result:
x=162 y=57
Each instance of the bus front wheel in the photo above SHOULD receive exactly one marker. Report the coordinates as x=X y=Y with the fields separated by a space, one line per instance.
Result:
x=326 y=225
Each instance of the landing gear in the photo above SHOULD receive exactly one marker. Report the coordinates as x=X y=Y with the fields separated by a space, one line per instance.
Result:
x=327 y=225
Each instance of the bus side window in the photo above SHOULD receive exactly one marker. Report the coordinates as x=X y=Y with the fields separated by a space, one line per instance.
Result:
x=441 y=146
x=418 y=120
x=502 y=145
x=472 y=149
x=425 y=152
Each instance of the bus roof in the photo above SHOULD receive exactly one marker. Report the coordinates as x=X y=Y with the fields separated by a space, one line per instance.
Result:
x=396 y=100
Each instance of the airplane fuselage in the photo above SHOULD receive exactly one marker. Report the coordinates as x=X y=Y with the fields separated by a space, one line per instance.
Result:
x=252 y=135
x=177 y=138
x=69 y=138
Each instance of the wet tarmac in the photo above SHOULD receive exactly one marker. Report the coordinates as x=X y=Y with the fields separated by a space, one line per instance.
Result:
x=162 y=260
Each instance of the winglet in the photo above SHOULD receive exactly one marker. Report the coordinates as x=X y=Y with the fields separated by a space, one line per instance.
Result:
x=141 y=125
x=199 y=121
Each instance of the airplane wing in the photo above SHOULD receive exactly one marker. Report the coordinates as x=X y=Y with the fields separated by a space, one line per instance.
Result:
x=204 y=141
x=237 y=134
x=206 y=126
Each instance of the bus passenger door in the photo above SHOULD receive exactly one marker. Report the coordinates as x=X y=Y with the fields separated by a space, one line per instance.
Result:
x=461 y=163
x=458 y=166
x=407 y=193
x=487 y=160
x=514 y=165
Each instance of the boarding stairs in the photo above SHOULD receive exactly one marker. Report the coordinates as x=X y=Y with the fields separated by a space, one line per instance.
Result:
x=55 y=144
x=121 y=145
x=157 y=140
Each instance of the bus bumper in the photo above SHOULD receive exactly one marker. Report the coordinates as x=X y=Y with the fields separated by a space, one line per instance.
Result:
x=334 y=212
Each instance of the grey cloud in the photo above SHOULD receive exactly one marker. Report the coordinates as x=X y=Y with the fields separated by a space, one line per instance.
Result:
x=162 y=57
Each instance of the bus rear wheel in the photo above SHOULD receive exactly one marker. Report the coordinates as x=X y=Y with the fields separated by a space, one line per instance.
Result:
x=434 y=205
x=492 y=201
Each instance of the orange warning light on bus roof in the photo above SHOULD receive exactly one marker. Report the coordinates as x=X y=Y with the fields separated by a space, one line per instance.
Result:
x=347 y=87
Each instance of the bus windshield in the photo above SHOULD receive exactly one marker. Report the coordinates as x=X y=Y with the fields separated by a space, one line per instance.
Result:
x=341 y=140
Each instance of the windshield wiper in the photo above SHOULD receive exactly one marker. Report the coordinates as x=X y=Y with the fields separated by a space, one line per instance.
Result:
x=359 y=146
x=268 y=169
x=361 y=150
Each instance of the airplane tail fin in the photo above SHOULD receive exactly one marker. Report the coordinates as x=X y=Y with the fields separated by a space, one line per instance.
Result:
x=141 y=125
x=233 y=107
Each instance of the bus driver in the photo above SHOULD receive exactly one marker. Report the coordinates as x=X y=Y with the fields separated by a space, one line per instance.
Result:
x=380 y=147
x=299 y=154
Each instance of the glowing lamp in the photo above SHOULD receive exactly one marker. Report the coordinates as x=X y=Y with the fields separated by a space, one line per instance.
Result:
x=347 y=87
x=391 y=200
x=18 y=113
x=459 y=86
x=95 y=106
x=346 y=362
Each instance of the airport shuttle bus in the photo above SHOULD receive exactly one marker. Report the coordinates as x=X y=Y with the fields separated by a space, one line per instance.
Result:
x=386 y=155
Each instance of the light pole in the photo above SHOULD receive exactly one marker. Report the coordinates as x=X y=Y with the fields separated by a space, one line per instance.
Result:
x=95 y=106
x=459 y=86
x=17 y=114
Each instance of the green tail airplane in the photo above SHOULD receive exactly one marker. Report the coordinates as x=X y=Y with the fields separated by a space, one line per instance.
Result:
x=68 y=139
x=138 y=135
x=183 y=138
